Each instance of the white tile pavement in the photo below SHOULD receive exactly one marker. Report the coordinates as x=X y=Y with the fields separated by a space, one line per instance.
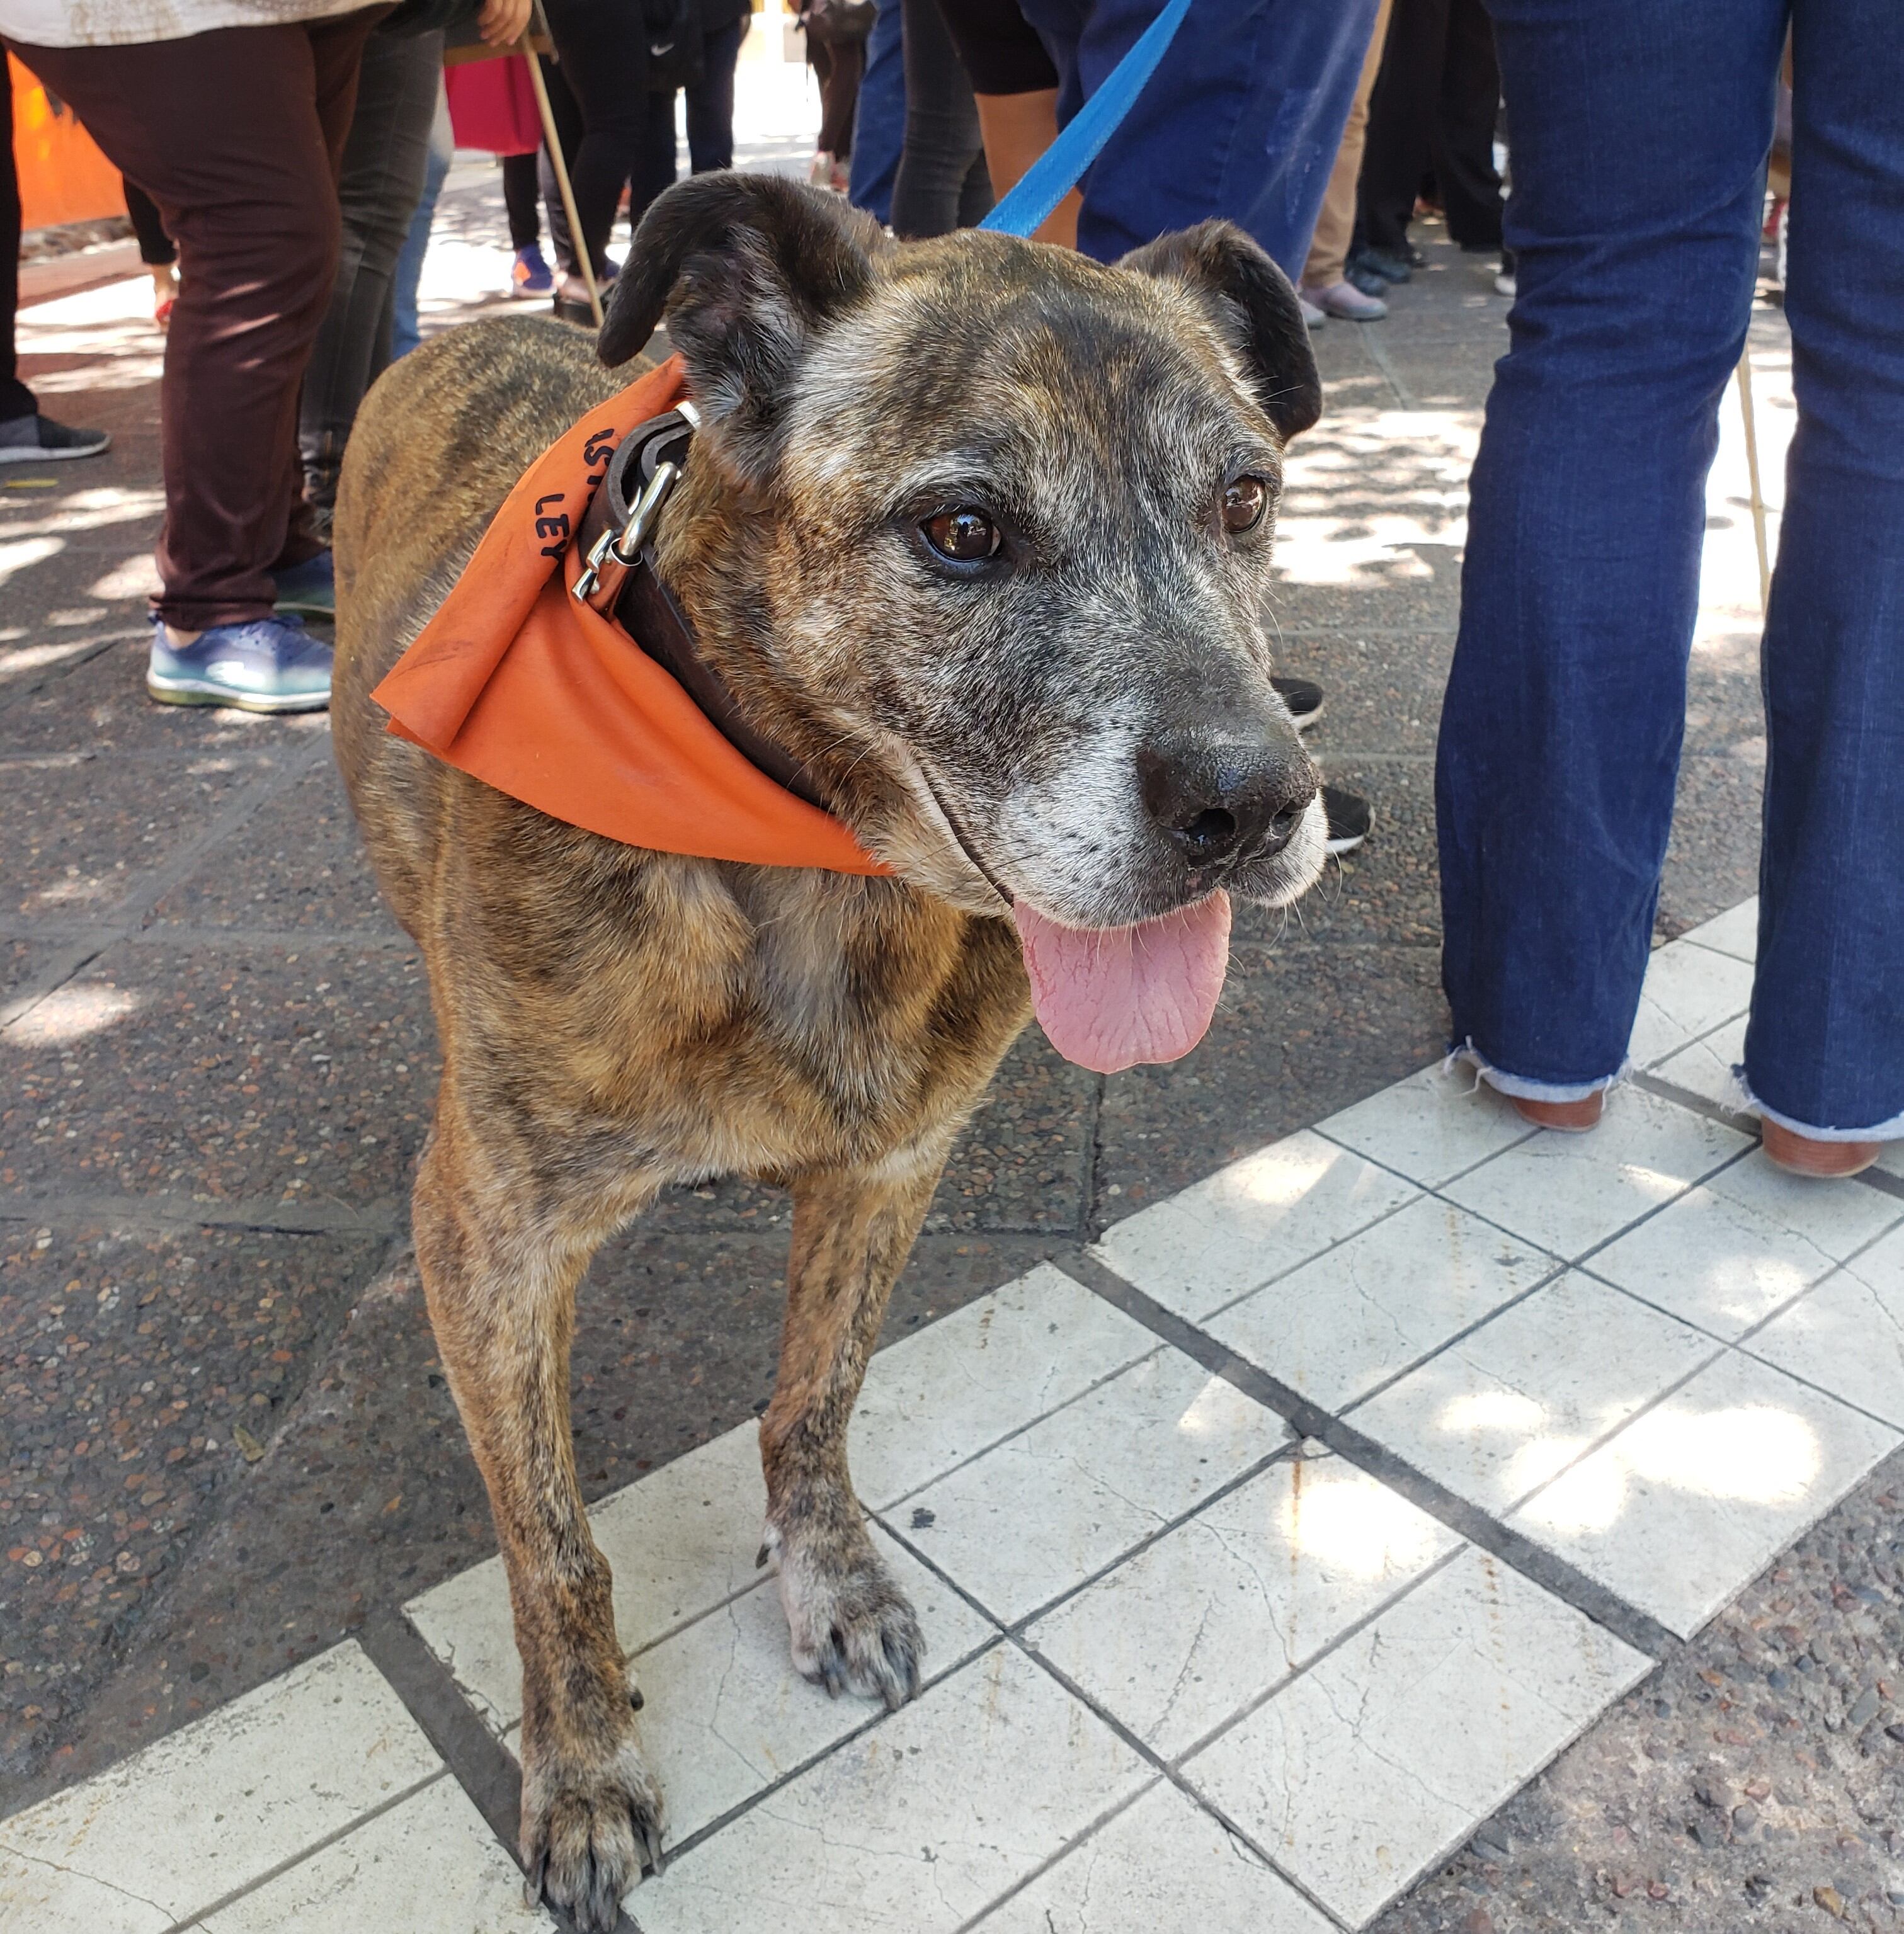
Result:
x=223 y=1802
x=1033 y=1518
x=1847 y=1335
x=1209 y=1619
x=1164 y=1863
x=1699 y=1494
x=1364 y=1311
x=1360 y=1774
x=1504 y=1411
x=430 y=1863
x=1259 y=1218
x=1569 y=1193
x=1181 y=1671
x=1746 y=1241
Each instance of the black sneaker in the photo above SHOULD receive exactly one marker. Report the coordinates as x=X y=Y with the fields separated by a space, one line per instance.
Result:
x=1380 y=262
x=38 y=439
x=1303 y=697
x=1349 y=817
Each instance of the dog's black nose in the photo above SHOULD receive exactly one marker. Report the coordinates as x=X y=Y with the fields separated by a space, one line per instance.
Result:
x=1218 y=800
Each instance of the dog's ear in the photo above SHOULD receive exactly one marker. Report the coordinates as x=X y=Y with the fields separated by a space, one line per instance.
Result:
x=1255 y=306
x=745 y=266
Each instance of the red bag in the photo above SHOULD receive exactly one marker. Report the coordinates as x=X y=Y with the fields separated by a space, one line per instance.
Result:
x=493 y=106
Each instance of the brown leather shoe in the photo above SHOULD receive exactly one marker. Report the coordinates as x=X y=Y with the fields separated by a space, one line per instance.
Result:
x=1565 y=1118
x=1800 y=1155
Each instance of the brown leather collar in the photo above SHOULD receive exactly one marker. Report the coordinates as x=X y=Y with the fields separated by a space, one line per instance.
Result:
x=647 y=610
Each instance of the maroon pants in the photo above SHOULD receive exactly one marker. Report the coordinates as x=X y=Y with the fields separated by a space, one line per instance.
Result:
x=237 y=134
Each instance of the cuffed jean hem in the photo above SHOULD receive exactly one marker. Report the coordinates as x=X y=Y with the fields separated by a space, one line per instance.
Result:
x=1519 y=1086
x=1889 y=1130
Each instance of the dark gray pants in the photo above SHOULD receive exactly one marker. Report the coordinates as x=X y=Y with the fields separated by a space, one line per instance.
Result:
x=382 y=181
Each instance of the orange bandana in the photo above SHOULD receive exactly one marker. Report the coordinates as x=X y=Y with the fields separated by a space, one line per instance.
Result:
x=518 y=683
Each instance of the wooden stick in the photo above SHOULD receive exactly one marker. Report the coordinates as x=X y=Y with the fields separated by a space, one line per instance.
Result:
x=576 y=241
x=1752 y=468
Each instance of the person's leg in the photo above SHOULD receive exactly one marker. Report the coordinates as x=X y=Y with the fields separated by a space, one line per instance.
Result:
x=235 y=134
x=1463 y=151
x=839 y=97
x=604 y=50
x=1335 y=225
x=975 y=195
x=942 y=137
x=1400 y=128
x=1243 y=117
x=405 y=333
x=155 y=249
x=710 y=100
x=1824 y=1048
x=385 y=158
x=25 y=436
x=566 y=112
x=655 y=165
x=519 y=199
x=879 y=119
x=1639 y=142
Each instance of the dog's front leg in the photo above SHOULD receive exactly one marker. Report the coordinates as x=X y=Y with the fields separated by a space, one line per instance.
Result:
x=500 y=1269
x=851 y=1625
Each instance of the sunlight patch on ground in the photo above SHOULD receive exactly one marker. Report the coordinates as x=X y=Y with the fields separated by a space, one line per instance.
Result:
x=72 y=1013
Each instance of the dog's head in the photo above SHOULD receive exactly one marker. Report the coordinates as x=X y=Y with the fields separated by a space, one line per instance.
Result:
x=1009 y=511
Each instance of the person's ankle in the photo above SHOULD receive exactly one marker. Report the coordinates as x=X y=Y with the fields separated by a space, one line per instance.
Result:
x=179 y=640
x=1798 y=1154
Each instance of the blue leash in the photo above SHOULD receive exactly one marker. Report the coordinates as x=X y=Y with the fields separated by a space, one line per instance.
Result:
x=1058 y=171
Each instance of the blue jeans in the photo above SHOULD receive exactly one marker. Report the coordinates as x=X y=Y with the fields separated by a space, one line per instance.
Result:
x=1640 y=139
x=1243 y=118
x=879 y=128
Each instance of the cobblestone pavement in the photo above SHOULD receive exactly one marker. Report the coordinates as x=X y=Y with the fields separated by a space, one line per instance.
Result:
x=227 y=1442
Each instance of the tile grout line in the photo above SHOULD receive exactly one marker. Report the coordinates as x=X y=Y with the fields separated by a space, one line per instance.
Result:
x=388 y=1804
x=1466 y=1520
x=1013 y=1634
x=488 y=1776
x=999 y=1633
x=1743 y=1124
x=1791 y=1302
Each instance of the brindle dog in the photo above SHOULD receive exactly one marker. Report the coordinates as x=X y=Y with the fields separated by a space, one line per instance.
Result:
x=979 y=531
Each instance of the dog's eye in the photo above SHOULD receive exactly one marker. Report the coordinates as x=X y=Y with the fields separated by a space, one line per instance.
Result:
x=962 y=537
x=1244 y=501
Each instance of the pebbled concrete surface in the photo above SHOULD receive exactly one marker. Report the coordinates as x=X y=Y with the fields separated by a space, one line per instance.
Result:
x=211 y=1103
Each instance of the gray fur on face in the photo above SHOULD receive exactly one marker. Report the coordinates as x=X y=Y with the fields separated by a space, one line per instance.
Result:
x=1096 y=417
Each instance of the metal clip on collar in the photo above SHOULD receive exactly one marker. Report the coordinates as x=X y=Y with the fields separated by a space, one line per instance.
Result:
x=616 y=552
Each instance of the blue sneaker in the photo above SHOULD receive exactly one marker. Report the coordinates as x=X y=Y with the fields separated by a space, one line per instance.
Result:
x=529 y=275
x=270 y=664
x=310 y=588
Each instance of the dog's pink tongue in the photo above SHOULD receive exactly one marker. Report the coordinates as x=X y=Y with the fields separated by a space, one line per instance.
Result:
x=1110 y=999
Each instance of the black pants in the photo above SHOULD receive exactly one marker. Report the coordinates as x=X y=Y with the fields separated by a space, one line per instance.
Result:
x=601 y=110
x=1434 y=106
x=155 y=249
x=519 y=198
x=16 y=399
x=942 y=184
x=382 y=181
x=710 y=118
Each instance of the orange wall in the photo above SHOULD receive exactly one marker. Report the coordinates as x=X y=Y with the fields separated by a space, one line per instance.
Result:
x=63 y=177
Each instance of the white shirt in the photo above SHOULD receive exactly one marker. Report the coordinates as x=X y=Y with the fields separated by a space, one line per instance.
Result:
x=117 y=23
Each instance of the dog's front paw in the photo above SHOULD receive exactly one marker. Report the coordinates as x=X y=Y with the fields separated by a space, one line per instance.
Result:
x=853 y=1629
x=588 y=1829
